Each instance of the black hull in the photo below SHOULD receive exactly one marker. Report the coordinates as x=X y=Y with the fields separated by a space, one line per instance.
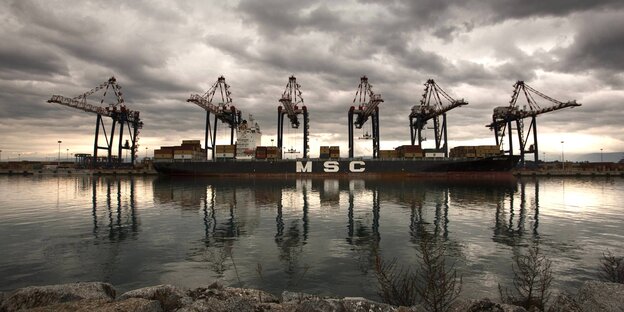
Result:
x=329 y=167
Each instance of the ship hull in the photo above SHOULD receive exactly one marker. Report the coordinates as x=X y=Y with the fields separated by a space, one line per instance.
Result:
x=330 y=167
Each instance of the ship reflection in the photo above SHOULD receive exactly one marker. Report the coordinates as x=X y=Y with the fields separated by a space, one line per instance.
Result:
x=364 y=239
x=511 y=216
x=120 y=220
x=234 y=209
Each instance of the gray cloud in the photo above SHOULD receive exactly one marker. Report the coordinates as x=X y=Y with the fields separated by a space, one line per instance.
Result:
x=161 y=53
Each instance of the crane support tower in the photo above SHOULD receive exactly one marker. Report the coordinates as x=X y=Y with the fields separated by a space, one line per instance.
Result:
x=504 y=116
x=223 y=110
x=291 y=99
x=367 y=106
x=432 y=107
x=117 y=112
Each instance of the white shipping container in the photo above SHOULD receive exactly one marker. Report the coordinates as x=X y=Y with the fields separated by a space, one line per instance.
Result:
x=434 y=155
x=182 y=156
x=224 y=155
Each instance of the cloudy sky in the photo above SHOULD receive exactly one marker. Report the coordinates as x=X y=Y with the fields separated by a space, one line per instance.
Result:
x=162 y=51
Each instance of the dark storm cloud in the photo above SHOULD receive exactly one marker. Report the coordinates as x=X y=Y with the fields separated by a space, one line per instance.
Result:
x=535 y=8
x=598 y=45
x=161 y=53
x=17 y=59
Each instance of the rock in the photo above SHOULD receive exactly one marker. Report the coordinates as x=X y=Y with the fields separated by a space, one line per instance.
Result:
x=318 y=305
x=361 y=304
x=601 y=296
x=225 y=293
x=289 y=296
x=564 y=303
x=483 y=305
x=169 y=296
x=217 y=305
x=40 y=296
x=101 y=305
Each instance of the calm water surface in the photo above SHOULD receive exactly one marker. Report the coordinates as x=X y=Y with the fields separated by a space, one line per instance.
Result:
x=316 y=236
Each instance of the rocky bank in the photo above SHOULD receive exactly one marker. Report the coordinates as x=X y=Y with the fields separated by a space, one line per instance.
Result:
x=96 y=296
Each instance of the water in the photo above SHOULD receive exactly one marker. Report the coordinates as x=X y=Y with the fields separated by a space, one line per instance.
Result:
x=316 y=236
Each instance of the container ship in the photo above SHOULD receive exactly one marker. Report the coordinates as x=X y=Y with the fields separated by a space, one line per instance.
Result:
x=406 y=160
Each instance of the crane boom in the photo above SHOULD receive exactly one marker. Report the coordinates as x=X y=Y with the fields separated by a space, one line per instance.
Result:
x=368 y=107
x=365 y=108
x=223 y=111
x=119 y=114
x=504 y=116
x=290 y=100
x=432 y=106
x=109 y=111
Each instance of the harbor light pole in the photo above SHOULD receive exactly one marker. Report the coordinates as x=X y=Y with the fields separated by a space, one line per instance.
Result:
x=601 y=155
x=562 y=157
x=146 y=152
x=58 y=160
x=67 y=154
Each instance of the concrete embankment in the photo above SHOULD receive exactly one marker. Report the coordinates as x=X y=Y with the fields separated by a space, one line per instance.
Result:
x=96 y=296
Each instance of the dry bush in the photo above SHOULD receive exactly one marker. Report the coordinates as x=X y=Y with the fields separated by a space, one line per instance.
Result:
x=612 y=268
x=439 y=284
x=435 y=284
x=532 y=279
x=397 y=284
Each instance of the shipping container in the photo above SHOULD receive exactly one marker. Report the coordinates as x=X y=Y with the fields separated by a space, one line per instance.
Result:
x=224 y=155
x=385 y=154
x=261 y=152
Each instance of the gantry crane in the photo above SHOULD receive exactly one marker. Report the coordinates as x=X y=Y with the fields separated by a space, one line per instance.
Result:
x=432 y=107
x=291 y=99
x=116 y=111
x=368 y=106
x=503 y=117
x=223 y=111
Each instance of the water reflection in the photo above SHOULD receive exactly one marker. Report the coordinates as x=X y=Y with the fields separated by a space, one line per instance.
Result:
x=121 y=215
x=364 y=239
x=233 y=210
x=511 y=229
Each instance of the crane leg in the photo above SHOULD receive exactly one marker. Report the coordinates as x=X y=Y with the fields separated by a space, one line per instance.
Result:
x=214 y=137
x=306 y=132
x=445 y=134
x=98 y=120
x=110 y=144
x=135 y=131
x=521 y=140
x=207 y=134
x=350 y=121
x=411 y=126
x=535 y=150
x=509 y=133
x=120 y=147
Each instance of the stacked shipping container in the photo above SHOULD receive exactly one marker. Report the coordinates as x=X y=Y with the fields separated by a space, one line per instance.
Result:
x=189 y=150
x=409 y=151
x=225 y=151
x=479 y=151
x=268 y=152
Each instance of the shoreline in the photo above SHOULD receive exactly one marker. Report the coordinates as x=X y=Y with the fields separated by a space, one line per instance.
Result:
x=99 y=296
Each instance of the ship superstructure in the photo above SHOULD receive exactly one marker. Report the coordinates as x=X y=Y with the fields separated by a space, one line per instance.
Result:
x=248 y=137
